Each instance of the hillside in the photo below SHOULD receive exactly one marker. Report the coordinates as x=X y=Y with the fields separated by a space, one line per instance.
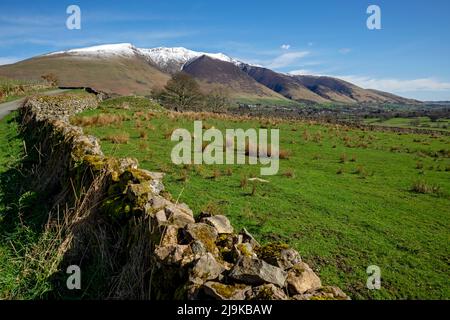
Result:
x=122 y=73
x=283 y=84
x=338 y=90
x=319 y=89
x=213 y=73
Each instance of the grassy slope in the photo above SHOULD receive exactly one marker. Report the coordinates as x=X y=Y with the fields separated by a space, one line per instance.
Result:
x=118 y=75
x=341 y=223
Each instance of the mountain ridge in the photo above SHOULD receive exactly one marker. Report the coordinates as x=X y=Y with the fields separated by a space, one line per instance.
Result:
x=123 y=68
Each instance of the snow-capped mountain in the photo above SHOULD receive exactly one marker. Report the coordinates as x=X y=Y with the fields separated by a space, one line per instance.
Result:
x=167 y=59
x=107 y=50
x=125 y=69
x=173 y=59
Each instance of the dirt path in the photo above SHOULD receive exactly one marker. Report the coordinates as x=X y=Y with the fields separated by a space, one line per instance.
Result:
x=7 y=107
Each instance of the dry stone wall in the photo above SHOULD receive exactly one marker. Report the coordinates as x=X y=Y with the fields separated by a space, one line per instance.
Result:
x=151 y=246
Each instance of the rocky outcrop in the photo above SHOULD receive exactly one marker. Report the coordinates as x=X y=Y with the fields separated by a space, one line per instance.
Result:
x=150 y=246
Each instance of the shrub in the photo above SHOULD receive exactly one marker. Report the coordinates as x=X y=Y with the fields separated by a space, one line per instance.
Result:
x=425 y=188
x=340 y=171
x=122 y=138
x=361 y=171
x=343 y=158
x=285 y=154
x=143 y=134
x=289 y=173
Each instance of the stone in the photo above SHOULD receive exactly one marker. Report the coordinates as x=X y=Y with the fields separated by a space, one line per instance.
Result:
x=256 y=272
x=128 y=163
x=157 y=203
x=172 y=254
x=220 y=291
x=288 y=258
x=279 y=255
x=247 y=237
x=266 y=292
x=177 y=216
x=221 y=223
x=301 y=278
x=204 y=233
x=157 y=186
x=244 y=249
x=161 y=218
x=140 y=193
x=324 y=293
x=169 y=236
x=206 y=268
x=185 y=208
x=198 y=248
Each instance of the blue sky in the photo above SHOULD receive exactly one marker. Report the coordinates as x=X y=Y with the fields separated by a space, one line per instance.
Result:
x=408 y=56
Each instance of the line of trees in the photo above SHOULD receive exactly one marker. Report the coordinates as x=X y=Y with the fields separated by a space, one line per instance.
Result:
x=183 y=93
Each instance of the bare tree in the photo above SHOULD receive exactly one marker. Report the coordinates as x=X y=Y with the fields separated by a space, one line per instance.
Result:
x=217 y=100
x=182 y=92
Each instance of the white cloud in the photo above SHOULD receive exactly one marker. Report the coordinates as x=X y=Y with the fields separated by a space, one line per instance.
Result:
x=287 y=59
x=8 y=60
x=345 y=50
x=286 y=46
x=398 y=85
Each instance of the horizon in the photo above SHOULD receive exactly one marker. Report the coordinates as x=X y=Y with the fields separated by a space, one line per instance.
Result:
x=322 y=40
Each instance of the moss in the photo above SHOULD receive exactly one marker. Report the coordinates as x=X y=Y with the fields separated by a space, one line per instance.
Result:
x=95 y=162
x=244 y=250
x=140 y=193
x=322 y=297
x=298 y=269
x=227 y=291
x=136 y=176
x=201 y=233
x=265 y=293
x=271 y=251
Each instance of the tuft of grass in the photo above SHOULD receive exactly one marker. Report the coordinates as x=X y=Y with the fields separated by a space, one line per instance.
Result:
x=285 y=154
x=122 y=138
x=243 y=182
x=424 y=187
x=143 y=134
x=289 y=173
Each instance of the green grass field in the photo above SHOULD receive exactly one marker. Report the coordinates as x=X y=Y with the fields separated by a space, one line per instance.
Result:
x=20 y=277
x=345 y=198
x=413 y=123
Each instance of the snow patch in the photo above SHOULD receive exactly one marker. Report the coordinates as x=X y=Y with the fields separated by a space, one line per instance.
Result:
x=119 y=49
x=163 y=57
